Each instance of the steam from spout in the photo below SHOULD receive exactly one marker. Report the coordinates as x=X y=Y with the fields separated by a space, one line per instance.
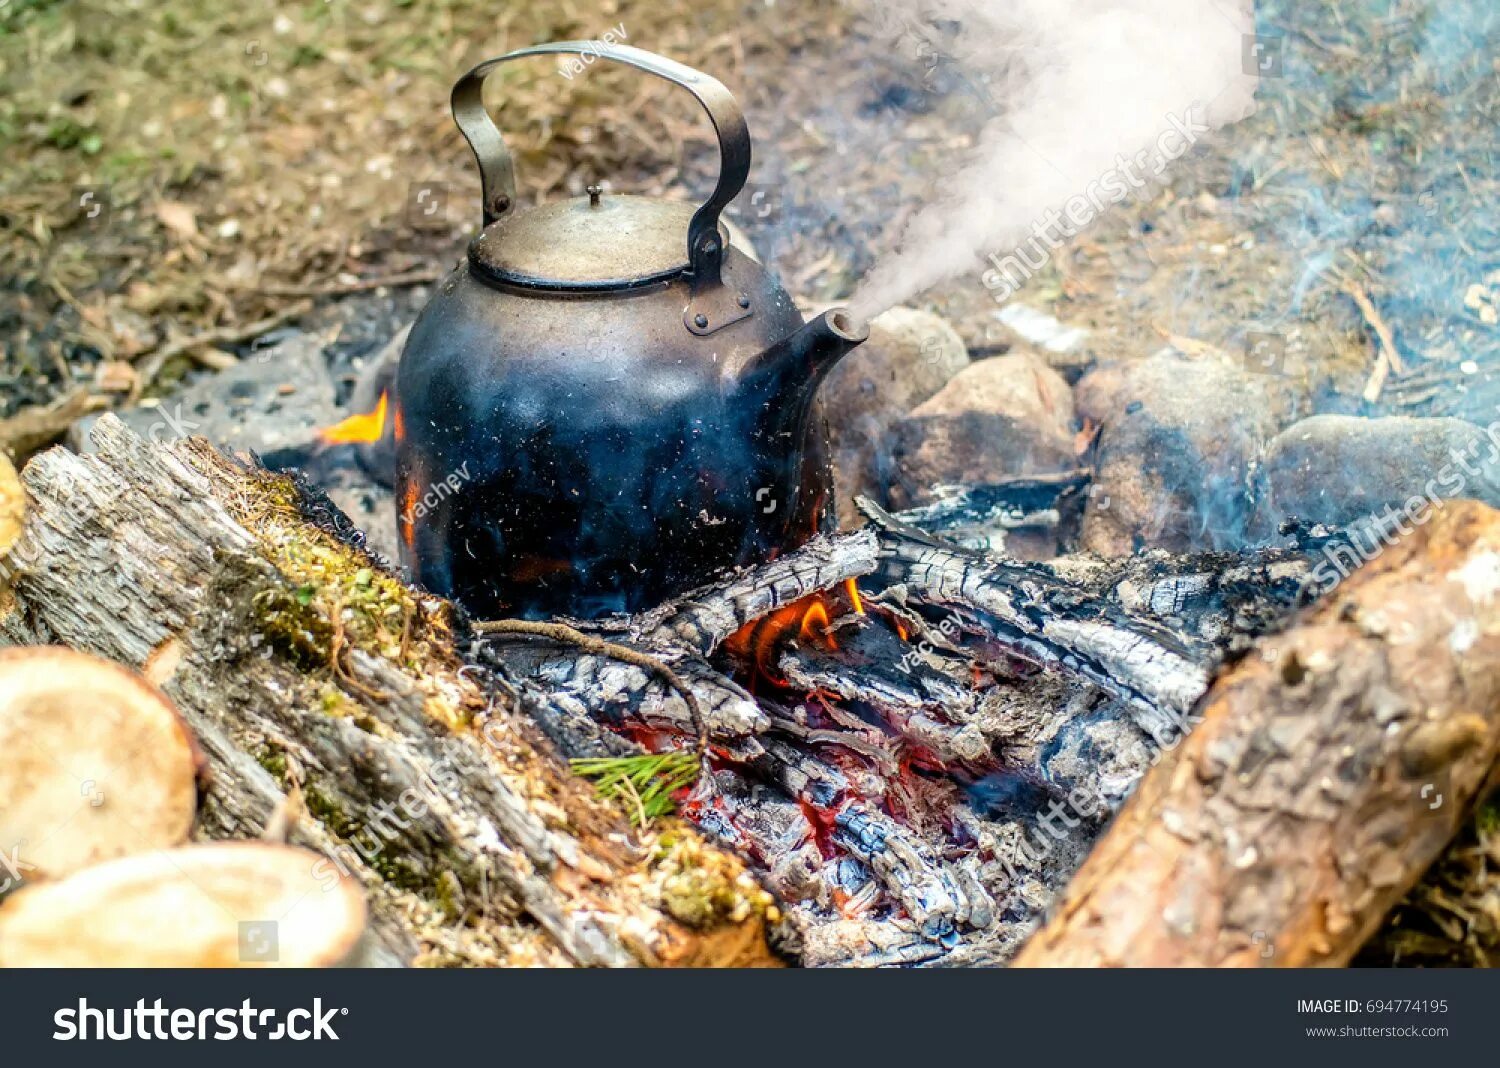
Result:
x=1092 y=99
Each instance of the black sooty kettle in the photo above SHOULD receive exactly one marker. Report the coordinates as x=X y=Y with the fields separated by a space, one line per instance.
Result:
x=617 y=402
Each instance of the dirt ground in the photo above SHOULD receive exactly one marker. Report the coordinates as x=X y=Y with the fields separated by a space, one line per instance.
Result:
x=183 y=177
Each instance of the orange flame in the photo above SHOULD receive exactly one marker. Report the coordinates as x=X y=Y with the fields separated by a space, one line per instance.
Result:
x=808 y=619
x=406 y=529
x=362 y=427
x=855 y=601
x=758 y=640
x=815 y=624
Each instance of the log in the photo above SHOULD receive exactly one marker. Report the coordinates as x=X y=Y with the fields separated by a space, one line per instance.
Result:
x=1451 y=918
x=334 y=704
x=1331 y=768
x=211 y=905
x=94 y=763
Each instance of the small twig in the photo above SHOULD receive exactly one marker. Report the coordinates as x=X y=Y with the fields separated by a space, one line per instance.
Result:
x=1389 y=359
x=152 y=364
x=359 y=285
x=340 y=671
x=561 y=632
x=36 y=427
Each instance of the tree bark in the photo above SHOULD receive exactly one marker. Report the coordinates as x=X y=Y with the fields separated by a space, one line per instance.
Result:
x=1333 y=765
x=329 y=697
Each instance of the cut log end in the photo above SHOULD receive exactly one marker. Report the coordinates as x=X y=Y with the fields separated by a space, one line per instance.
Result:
x=220 y=905
x=94 y=763
x=12 y=508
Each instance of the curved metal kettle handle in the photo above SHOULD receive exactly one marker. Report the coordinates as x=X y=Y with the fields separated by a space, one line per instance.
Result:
x=497 y=172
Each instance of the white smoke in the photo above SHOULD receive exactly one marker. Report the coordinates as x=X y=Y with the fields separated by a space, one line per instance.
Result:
x=1080 y=86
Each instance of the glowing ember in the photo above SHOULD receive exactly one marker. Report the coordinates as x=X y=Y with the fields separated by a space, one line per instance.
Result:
x=363 y=427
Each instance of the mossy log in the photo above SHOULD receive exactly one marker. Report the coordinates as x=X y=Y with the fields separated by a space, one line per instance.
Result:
x=1332 y=766
x=334 y=710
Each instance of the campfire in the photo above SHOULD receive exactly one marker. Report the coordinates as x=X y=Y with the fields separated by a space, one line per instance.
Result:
x=627 y=613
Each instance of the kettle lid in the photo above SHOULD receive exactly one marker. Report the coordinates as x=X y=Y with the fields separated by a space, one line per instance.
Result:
x=586 y=243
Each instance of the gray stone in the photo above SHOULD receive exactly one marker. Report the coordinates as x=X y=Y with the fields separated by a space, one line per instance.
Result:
x=911 y=354
x=1178 y=442
x=1008 y=415
x=1341 y=469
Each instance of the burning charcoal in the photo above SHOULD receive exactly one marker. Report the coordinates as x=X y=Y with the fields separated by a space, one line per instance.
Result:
x=1057 y=622
x=1340 y=469
x=1022 y=716
x=1016 y=517
x=1097 y=758
x=627 y=694
x=866 y=944
x=906 y=867
x=1005 y=416
x=904 y=864
x=911 y=354
x=768 y=827
x=874 y=667
x=1032 y=860
x=1223 y=607
x=704 y=619
x=1177 y=441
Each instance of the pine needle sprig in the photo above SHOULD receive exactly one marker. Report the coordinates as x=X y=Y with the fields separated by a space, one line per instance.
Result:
x=647 y=782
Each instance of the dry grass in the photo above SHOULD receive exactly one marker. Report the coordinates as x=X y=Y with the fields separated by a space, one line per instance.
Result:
x=1452 y=917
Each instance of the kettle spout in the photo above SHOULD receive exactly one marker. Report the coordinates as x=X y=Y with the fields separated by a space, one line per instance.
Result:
x=803 y=359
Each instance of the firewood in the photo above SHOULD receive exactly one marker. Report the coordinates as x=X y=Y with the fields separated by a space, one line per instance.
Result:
x=1332 y=766
x=576 y=690
x=218 y=905
x=94 y=763
x=300 y=664
x=931 y=702
x=1047 y=617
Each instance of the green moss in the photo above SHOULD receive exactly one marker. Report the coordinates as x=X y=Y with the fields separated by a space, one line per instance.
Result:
x=440 y=878
x=449 y=894
x=329 y=813
x=287 y=618
x=702 y=887
x=332 y=581
x=274 y=761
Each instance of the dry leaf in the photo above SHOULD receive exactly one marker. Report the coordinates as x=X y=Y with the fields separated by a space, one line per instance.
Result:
x=114 y=376
x=177 y=217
